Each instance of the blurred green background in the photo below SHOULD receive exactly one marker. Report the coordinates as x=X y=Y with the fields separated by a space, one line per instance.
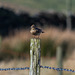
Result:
x=58 y=5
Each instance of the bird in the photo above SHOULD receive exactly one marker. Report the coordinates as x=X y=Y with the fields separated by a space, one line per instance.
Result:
x=35 y=31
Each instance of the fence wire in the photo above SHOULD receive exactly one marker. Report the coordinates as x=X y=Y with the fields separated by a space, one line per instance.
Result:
x=47 y=67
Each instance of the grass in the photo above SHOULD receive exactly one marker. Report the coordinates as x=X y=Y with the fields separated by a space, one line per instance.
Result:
x=58 y=5
x=50 y=40
x=15 y=63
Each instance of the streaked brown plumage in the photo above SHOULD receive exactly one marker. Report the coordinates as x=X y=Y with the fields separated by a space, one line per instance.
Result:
x=35 y=31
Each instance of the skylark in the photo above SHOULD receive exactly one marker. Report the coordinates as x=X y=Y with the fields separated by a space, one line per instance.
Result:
x=35 y=31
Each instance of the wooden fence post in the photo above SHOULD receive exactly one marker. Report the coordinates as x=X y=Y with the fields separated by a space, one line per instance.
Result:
x=59 y=59
x=35 y=52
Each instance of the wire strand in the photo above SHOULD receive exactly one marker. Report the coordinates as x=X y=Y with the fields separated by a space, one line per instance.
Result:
x=47 y=67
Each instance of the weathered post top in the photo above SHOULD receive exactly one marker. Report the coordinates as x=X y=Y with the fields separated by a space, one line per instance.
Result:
x=35 y=52
x=34 y=41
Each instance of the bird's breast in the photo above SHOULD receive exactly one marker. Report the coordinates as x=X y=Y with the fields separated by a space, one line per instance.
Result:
x=33 y=31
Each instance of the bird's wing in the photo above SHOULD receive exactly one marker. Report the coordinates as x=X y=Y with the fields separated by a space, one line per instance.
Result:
x=38 y=30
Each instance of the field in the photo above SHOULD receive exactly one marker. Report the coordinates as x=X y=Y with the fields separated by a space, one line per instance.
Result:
x=26 y=63
x=21 y=39
x=36 y=5
x=50 y=40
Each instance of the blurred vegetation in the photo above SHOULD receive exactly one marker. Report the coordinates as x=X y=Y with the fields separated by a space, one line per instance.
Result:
x=42 y=4
x=18 y=46
x=48 y=47
x=10 y=20
x=19 y=50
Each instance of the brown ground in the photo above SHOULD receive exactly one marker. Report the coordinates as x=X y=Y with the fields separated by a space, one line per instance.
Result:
x=69 y=64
